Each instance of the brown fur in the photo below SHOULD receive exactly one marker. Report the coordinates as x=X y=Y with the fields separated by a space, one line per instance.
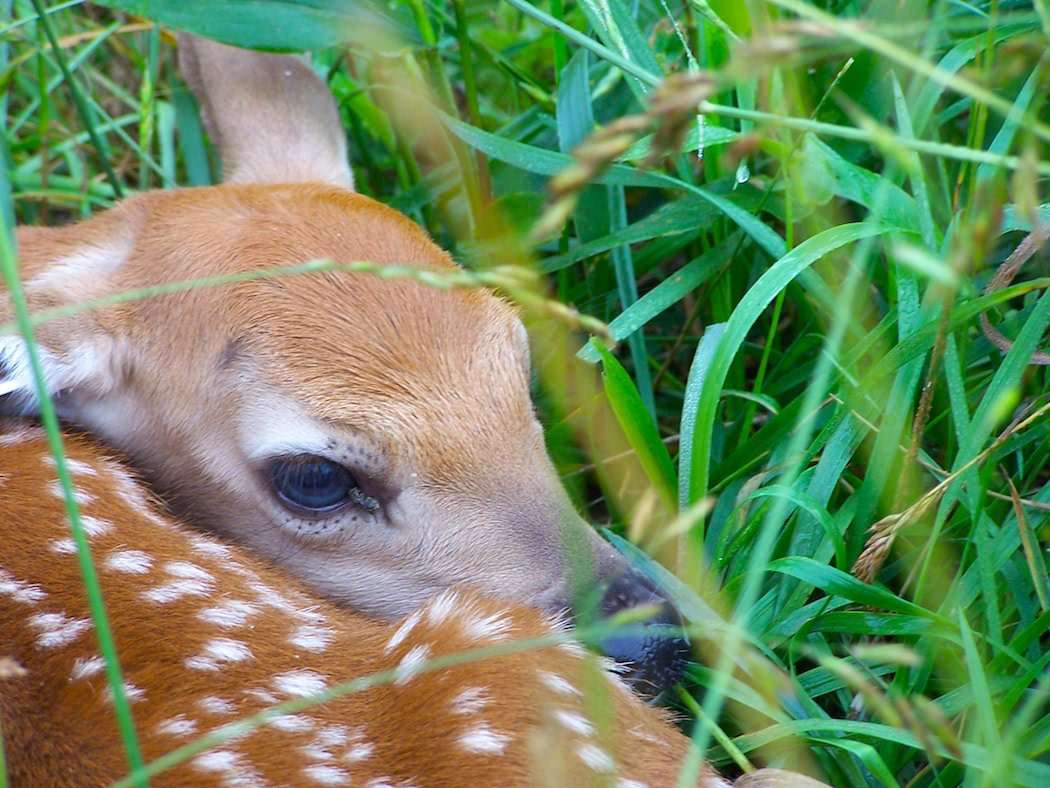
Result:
x=61 y=730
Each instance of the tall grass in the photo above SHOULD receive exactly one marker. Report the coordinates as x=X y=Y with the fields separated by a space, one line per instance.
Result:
x=795 y=282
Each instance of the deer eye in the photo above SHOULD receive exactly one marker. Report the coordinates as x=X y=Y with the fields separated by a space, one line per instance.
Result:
x=312 y=484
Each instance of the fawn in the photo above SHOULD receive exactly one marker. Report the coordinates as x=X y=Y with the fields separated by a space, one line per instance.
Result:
x=207 y=634
x=374 y=438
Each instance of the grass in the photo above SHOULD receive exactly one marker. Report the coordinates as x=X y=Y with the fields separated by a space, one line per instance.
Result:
x=795 y=281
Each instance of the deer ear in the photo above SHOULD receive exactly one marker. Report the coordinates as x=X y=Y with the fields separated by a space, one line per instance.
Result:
x=80 y=355
x=272 y=118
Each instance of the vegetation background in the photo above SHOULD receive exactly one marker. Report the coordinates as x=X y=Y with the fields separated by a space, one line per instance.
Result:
x=791 y=241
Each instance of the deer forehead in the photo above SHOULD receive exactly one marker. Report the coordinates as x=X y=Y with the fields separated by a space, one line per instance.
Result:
x=342 y=340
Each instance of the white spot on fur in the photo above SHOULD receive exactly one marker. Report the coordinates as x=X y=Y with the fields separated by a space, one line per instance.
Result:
x=56 y=630
x=332 y=736
x=64 y=546
x=86 y=667
x=327 y=775
x=411 y=664
x=19 y=590
x=558 y=684
x=293 y=723
x=574 y=722
x=441 y=607
x=132 y=692
x=180 y=725
x=595 y=758
x=132 y=562
x=261 y=695
x=236 y=771
x=359 y=752
x=491 y=627
x=572 y=648
x=469 y=701
x=402 y=632
x=228 y=614
x=176 y=590
x=299 y=683
x=483 y=740
x=82 y=497
x=76 y=467
x=95 y=526
x=23 y=434
x=227 y=650
x=210 y=548
x=312 y=638
x=216 y=705
x=625 y=783
x=188 y=571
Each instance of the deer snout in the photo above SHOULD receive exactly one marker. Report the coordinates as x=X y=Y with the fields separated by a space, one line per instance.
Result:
x=655 y=649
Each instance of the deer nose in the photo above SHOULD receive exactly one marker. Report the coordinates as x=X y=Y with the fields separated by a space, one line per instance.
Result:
x=654 y=651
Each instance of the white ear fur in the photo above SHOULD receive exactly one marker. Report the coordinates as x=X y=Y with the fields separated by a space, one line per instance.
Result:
x=76 y=355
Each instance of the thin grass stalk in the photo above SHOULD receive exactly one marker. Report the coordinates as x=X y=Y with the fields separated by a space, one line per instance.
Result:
x=96 y=605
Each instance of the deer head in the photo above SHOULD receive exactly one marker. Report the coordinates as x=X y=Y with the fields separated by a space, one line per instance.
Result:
x=374 y=437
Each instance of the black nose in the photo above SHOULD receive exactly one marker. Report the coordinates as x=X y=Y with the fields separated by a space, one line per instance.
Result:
x=654 y=650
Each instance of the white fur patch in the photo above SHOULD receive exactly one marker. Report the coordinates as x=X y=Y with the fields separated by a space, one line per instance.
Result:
x=596 y=758
x=179 y=725
x=483 y=740
x=85 y=667
x=491 y=627
x=411 y=664
x=560 y=685
x=64 y=546
x=132 y=562
x=470 y=701
x=312 y=638
x=176 y=590
x=442 y=607
x=293 y=723
x=57 y=630
x=20 y=591
x=215 y=705
x=299 y=683
x=229 y=614
x=327 y=775
x=402 y=632
x=574 y=722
